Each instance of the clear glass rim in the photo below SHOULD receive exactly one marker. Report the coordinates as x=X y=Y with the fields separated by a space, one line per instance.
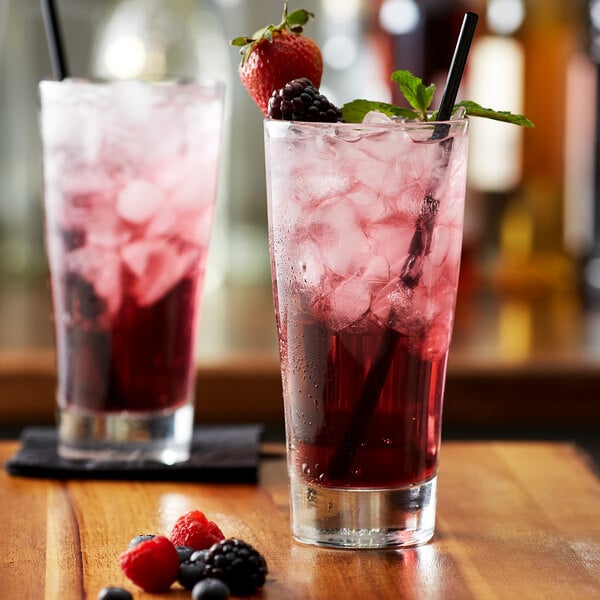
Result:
x=166 y=83
x=453 y=124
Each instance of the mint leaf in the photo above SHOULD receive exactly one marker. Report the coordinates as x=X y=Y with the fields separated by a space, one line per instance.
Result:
x=355 y=111
x=418 y=95
x=476 y=110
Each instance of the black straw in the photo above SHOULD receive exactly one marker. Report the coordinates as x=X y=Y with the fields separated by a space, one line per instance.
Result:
x=457 y=66
x=54 y=39
x=420 y=246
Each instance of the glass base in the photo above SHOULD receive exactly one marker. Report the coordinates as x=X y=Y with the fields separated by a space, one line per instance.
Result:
x=359 y=518
x=165 y=436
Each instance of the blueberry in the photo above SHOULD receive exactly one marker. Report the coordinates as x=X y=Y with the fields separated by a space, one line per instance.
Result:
x=210 y=589
x=184 y=552
x=114 y=593
x=191 y=571
x=138 y=539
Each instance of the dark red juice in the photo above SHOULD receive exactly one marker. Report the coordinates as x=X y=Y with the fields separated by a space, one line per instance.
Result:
x=397 y=439
x=138 y=360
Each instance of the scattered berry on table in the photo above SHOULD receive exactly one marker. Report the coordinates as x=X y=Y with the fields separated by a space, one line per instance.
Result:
x=140 y=538
x=210 y=589
x=195 y=530
x=238 y=564
x=276 y=54
x=114 y=593
x=152 y=564
x=300 y=100
x=191 y=571
x=184 y=552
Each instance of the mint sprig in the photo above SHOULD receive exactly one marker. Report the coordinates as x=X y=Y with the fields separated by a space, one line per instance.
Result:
x=419 y=96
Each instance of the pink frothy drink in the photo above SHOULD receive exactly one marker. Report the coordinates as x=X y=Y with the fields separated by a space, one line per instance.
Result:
x=130 y=174
x=366 y=229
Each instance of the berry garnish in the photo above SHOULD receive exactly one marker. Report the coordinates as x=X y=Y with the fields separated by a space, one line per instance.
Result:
x=191 y=571
x=184 y=552
x=300 y=100
x=195 y=530
x=238 y=564
x=210 y=589
x=151 y=564
x=277 y=54
x=140 y=538
x=114 y=593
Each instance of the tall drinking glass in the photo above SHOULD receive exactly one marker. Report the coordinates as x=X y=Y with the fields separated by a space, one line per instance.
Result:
x=365 y=226
x=130 y=176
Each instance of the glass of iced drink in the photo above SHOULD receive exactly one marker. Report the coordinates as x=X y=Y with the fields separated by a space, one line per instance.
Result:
x=365 y=226
x=130 y=176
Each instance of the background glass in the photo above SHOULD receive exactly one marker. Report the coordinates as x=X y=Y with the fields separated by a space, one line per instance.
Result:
x=130 y=178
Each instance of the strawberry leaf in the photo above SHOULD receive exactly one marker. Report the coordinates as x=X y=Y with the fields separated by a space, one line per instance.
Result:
x=298 y=17
x=355 y=111
x=240 y=41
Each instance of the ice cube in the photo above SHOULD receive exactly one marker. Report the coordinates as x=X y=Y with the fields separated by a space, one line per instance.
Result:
x=377 y=270
x=103 y=227
x=196 y=228
x=348 y=303
x=344 y=245
x=138 y=201
x=374 y=117
x=309 y=266
x=437 y=341
x=101 y=267
x=165 y=223
x=158 y=266
x=440 y=245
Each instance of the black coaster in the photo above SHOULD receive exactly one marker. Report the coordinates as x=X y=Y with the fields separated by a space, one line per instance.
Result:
x=228 y=454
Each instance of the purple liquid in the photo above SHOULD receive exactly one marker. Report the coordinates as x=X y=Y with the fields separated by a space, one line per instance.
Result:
x=401 y=439
x=142 y=360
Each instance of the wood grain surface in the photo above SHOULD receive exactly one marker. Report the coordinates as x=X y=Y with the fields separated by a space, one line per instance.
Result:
x=515 y=520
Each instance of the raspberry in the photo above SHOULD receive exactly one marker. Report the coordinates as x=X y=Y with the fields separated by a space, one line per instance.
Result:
x=300 y=100
x=152 y=564
x=236 y=563
x=195 y=530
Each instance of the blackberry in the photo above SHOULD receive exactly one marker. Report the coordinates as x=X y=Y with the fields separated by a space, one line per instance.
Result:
x=236 y=563
x=300 y=100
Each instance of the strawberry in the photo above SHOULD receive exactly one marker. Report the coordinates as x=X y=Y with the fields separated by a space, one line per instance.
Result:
x=152 y=564
x=195 y=530
x=277 y=54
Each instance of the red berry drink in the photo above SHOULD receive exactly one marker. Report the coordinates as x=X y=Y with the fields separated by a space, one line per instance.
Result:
x=366 y=230
x=130 y=174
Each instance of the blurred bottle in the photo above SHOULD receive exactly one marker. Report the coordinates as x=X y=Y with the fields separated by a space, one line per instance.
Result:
x=591 y=270
x=421 y=36
x=526 y=48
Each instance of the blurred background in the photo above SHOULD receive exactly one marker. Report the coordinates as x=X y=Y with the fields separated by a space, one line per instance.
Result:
x=528 y=326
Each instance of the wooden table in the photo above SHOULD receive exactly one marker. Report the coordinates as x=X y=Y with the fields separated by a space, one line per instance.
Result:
x=515 y=520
